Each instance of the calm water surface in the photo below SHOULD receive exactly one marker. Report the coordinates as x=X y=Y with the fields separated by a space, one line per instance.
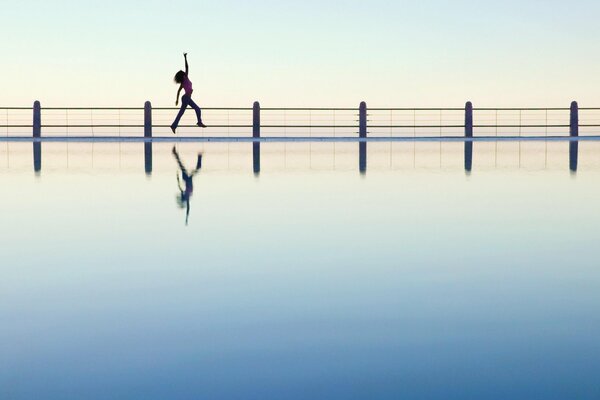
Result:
x=304 y=271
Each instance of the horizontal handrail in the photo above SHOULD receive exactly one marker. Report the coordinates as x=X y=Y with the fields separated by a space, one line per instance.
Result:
x=297 y=126
x=314 y=108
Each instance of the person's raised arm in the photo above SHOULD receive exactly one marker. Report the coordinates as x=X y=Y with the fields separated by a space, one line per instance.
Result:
x=187 y=68
x=178 y=92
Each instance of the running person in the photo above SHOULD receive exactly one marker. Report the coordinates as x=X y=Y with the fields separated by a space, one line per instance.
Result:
x=186 y=100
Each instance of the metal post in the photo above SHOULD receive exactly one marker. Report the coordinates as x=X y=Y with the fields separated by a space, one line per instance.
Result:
x=469 y=119
x=574 y=131
x=147 y=119
x=37 y=119
x=362 y=120
x=256 y=120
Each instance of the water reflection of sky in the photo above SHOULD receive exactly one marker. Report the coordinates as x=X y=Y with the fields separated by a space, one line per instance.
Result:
x=307 y=280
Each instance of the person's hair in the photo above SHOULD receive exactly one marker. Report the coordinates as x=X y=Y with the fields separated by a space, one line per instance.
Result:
x=179 y=76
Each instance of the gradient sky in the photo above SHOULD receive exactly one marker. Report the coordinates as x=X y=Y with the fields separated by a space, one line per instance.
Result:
x=291 y=53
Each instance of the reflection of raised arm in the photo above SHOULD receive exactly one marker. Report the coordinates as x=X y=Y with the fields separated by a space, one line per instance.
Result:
x=187 y=212
x=187 y=68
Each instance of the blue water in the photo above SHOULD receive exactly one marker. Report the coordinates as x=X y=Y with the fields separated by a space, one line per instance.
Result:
x=313 y=277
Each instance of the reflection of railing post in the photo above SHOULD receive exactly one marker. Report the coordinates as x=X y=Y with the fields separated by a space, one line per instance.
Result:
x=362 y=157
x=574 y=125
x=148 y=158
x=37 y=157
x=256 y=158
x=362 y=120
x=37 y=119
x=256 y=120
x=469 y=119
x=147 y=119
x=468 y=156
x=573 y=155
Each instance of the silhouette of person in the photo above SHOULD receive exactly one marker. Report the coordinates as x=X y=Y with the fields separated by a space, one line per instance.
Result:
x=186 y=100
x=183 y=199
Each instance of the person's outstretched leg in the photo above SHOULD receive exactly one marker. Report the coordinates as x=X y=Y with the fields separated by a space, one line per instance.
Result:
x=184 y=104
x=198 y=113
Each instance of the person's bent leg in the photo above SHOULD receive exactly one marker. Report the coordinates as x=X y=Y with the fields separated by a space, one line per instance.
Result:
x=198 y=111
x=184 y=104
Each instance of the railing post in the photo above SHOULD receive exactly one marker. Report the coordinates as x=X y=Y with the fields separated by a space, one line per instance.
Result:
x=469 y=119
x=148 y=119
x=37 y=119
x=574 y=126
x=256 y=120
x=362 y=120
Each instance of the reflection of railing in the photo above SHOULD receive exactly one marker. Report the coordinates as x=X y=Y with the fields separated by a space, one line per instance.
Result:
x=391 y=155
x=304 y=122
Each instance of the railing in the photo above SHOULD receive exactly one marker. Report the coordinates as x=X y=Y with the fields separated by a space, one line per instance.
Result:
x=308 y=122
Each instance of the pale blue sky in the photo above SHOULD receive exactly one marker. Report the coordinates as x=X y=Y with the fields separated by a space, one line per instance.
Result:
x=319 y=53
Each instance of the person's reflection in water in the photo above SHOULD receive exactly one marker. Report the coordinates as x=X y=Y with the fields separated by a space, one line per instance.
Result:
x=183 y=199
